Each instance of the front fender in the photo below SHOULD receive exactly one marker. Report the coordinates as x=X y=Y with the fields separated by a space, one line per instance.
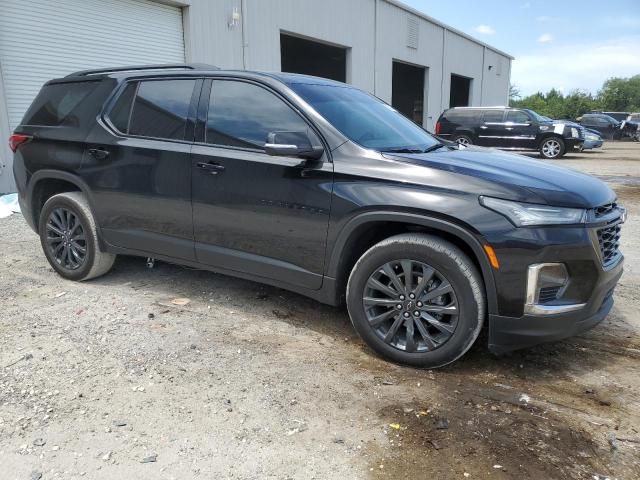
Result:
x=436 y=224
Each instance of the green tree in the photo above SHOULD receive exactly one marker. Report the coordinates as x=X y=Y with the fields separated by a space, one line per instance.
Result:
x=621 y=94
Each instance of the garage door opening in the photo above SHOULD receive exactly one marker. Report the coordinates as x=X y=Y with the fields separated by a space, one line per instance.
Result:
x=407 y=90
x=460 y=91
x=299 y=55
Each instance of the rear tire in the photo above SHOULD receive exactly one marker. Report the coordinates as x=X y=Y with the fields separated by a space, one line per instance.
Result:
x=69 y=238
x=416 y=299
x=464 y=140
x=552 y=147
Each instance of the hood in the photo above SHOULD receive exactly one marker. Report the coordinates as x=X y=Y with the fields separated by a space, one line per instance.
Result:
x=537 y=181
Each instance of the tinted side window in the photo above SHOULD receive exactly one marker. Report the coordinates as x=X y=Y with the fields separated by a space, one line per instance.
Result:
x=242 y=114
x=59 y=103
x=494 y=116
x=516 y=116
x=121 y=112
x=161 y=108
x=464 y=117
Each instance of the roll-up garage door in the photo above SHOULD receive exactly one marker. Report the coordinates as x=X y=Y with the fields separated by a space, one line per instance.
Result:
x=44 y=39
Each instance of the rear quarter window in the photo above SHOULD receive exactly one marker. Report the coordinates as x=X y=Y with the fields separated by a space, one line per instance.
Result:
x=464 y=117
x=161 y=108
x=66 y=104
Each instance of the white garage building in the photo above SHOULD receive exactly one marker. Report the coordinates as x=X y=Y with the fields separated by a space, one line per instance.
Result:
x=401 y=55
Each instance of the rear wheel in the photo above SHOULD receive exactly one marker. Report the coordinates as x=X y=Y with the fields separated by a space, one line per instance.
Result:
x=69 y=238
x=416 y=299
x=463 y=140
x=552 y=147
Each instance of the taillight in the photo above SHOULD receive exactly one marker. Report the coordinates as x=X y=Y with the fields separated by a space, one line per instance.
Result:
x=15 y=140
x=438 y=127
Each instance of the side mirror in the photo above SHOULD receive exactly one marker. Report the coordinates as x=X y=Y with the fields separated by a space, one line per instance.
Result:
x=292 y=144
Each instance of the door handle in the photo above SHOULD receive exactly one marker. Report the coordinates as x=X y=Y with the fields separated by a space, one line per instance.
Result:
x=483 y=127
x=210 y=167
x=98 y=153
x=509 y=128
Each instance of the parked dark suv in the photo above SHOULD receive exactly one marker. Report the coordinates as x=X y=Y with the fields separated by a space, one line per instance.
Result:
x=509 y=129
x=317 y=187
x=608 y=126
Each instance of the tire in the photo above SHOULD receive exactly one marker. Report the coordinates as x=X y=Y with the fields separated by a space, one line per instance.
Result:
x=464 y=140
x=552 y=147
x=72 y=209
x=374 y=319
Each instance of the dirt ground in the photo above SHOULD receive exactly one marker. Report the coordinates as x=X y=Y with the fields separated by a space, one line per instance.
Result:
x=110 y=380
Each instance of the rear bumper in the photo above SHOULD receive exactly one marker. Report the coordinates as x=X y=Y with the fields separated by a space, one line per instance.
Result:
x=510 y=333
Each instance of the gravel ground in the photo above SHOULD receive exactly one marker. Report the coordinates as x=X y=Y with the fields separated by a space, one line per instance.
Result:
x=110 y=379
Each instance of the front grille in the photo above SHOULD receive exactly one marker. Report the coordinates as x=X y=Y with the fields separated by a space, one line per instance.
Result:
x=605 y=209
x=609 y=240
x=548 y=294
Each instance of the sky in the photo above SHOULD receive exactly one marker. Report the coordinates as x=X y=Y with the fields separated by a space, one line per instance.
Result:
x=567 y=45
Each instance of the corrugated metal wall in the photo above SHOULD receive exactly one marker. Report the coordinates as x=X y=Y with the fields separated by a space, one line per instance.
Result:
x=42 y=39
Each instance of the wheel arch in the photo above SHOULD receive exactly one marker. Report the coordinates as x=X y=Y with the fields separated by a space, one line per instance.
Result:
x=367 y=229
x=46 y=183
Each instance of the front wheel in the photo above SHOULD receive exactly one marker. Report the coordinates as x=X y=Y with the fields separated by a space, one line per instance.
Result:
x=552 y=147
x=416 y=299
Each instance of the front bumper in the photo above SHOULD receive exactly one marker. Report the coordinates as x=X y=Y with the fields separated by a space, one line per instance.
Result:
x=512 y=333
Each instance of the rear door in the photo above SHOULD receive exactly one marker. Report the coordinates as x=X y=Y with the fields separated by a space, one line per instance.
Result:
x=254 y=213
x=491 y=132
x=139 y=167
x=520 y=130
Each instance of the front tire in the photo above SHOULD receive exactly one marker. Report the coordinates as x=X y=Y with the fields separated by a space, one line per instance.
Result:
x=69 y=238
x=416 y=299
x=552 y=147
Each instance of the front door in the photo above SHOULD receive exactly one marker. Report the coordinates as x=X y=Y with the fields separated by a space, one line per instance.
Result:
x=519 y=129
x=255 y=213
x=140 y=178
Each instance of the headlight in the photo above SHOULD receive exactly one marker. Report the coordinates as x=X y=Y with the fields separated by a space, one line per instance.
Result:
x=527 y=214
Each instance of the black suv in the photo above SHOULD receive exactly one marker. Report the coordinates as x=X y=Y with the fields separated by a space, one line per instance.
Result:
x=320 y=188
x=509 y=129
x=608 y=126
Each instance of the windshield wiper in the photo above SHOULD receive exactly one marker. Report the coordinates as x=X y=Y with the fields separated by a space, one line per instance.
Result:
x=415 y=150
x=403 y=150
x=433 y=147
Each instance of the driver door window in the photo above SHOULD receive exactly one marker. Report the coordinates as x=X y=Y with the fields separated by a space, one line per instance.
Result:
x=242 y=114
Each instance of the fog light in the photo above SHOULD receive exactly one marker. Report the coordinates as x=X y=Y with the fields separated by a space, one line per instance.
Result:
x=547 y=282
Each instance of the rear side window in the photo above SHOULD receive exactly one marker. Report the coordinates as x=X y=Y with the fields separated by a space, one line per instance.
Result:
x=463 y=116
x=493 y=116
x=121 y=112
x=516 y=116
x=241 y=114
x=161 y=108
x=60 y=104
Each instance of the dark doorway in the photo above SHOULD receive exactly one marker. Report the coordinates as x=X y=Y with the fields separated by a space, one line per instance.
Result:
x=299 y=55
x=407 y=90
x=460 y=88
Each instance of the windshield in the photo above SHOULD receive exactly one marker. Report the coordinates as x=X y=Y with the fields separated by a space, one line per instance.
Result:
x=538 y=117
x=364 y=119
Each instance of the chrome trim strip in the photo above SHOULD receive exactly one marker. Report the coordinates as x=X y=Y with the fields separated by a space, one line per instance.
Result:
x=552 y=309
x=532 y=307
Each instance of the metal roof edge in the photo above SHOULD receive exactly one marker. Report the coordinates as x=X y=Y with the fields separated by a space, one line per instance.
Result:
x=426 y=17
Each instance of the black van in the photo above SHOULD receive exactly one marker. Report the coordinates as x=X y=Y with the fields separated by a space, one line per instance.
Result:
x=509 y=129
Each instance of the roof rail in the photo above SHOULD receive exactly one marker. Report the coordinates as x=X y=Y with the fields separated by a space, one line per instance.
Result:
x=186 y=66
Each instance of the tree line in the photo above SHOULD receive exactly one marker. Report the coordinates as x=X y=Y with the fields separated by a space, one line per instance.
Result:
x=616 y=95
